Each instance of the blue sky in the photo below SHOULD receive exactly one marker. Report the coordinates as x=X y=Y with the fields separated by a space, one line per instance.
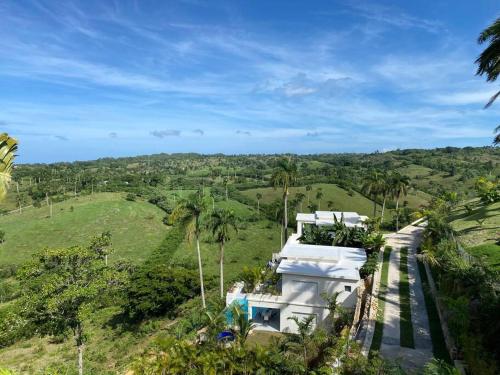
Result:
x=89 y=79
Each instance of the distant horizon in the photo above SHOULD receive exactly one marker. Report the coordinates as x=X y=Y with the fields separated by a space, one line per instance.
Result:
x=252 y=154
x=88 y=79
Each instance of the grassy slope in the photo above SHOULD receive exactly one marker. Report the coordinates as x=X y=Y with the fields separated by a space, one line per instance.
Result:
x=110 y=351
x=341 y=200
x=490 y=252
x=478 y=236
x=136 y=227
x=252 y=245
x=471 y=231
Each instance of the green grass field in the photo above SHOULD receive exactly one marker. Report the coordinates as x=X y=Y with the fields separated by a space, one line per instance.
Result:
x=342 y=201
x=490 y=252
x=250 y=247
x=136 y=227
x=480 y=226
x=415 y=171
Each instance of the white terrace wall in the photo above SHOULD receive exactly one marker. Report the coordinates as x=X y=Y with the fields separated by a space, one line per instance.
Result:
x=301 y=296
x=301 y=289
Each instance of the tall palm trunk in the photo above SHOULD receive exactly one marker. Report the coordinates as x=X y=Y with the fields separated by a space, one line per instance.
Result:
x=397 y=214
x=221 y=269
x=374 y=207
x=383 y=209
x=281 y=234
x=258 y=206
x=200 y=268
x=286 y=215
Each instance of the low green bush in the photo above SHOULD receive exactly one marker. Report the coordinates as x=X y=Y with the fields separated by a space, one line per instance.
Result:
x=158 y=289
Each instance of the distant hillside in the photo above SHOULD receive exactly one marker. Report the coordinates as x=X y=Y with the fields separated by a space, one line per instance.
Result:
x=136 y=227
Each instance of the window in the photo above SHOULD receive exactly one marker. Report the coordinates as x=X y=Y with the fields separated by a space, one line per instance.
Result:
x=347 y=288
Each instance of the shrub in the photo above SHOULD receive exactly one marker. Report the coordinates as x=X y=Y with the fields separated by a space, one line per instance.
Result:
x=130 y=197
x=2 y=236
x=158 y=289
x=12 y=326
x=251 y=277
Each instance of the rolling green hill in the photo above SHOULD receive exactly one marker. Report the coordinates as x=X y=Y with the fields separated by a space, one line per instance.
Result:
x=341 y=199
x=108 y=350
x=136 y=227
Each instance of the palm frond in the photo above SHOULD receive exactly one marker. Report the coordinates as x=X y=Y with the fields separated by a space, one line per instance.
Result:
x=8 y=147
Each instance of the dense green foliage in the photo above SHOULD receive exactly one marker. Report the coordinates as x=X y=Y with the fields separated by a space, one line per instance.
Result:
x=467 y=287
x=158 y=289
x=61 y=286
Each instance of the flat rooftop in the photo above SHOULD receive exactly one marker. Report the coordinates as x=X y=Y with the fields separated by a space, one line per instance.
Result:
x=342 y=270
x=351 y=219
x=321 y=261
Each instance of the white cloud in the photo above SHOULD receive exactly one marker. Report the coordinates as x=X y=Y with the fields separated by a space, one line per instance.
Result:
x=464 y=97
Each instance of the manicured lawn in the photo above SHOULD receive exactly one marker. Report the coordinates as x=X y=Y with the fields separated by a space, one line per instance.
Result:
x=481 y=225
x=490 y=252
x=136 y=227
x=379 y=324
x=405 y=326
x=439 y=349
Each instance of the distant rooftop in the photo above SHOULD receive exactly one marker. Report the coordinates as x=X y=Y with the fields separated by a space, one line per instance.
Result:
x=351 y=219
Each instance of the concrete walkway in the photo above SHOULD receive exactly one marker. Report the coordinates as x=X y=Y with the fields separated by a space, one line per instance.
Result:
x=412 y=359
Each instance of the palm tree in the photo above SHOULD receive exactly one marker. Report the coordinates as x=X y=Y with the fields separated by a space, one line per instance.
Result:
x=319 y=196
x=489 y=60
x=259 y=197
x=330 y=205
x=385 y=190
x=302 y=340
x=308 y=189
x=372 y=188
x=221 y=224
x=300 y=198
x=191 y=209
x=243 y=324
x=496 y=141
x=400 y=185
x=8 y=147
x=226 y=181
x=284 y=175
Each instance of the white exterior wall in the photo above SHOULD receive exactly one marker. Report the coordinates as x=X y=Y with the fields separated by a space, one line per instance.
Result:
x=291 y=290
x=299 y=303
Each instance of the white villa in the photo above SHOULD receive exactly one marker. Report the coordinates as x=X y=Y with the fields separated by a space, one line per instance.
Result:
x=307 y=271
